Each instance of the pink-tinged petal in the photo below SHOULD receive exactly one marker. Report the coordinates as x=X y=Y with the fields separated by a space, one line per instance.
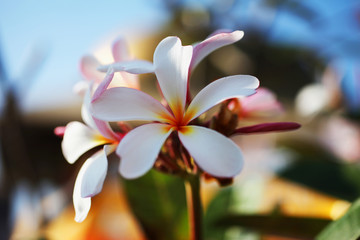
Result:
x=88 y=68
x=213 y=42
x=95 y=170
x=126 y=104
x=124 y=79
x=78 y=139
x=81 y=205
x=171 y=61
x=81 y=87
x=268 y=127
x=262 y=104
x=59 y=131
x=85 y=109
x=139 y=149
x=120 y=50
x=101 y=126
x=220 y=90
x=133 y=66
x=212 y=151
x=105 y=129
x=104 y=84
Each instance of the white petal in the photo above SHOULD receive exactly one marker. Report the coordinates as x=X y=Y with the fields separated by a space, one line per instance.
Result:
x=81 y=205
x=105 y=129
x=104 y=84
x=81 y=87
x=172 y=62
x=78 y=139
x=125 y=104
x=101 y=126
x=120 y=50
x=140 y=147
x=212 y=151
x=95 y=169
x=85 y=110
x=88 y=67
x=220 y=90
x=212 y=43
x=133 y=66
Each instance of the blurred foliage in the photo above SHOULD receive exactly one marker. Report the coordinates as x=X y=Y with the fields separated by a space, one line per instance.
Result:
x=315 y=167
x=278 y=225
x=158 y=202
x=217 y=208
x=346 y=228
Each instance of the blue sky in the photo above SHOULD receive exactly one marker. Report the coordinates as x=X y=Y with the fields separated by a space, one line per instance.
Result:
x=64 y=31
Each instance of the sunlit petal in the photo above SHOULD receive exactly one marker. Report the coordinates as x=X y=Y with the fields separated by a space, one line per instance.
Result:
x=138 y=150
x=81 y=205
x=220 y=90
x=95 y=170
x=105 y=129
x=78 y=139
x=212 y=151
x=125 y=104
x=101 y=126
x=132 y=66
x=212 y=43
x=120 y=50
x=171 y=61
x=81 y=87
x=85 y=109
x=88 y=68
x=104 y=84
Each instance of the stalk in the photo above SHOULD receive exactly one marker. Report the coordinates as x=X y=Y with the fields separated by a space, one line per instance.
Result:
x=192 y=186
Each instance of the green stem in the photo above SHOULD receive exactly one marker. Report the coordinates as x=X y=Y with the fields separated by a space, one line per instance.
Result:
x=192 y=186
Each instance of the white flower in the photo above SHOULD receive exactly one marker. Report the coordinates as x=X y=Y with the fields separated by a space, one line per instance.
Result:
x=212 y=151
x=80 y=138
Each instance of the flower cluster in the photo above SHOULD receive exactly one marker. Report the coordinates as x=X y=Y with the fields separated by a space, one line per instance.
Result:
x=177 y=138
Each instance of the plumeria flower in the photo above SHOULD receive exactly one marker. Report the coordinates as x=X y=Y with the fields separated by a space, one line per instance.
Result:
x=200 y=50
x=212 y=151
x=335 y=128
x=89 y=65
x=78 y=139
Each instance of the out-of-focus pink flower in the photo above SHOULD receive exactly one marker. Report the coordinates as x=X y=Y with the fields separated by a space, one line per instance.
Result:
x=263 y=104
x=342 y=137
x=321 y=96
x=140 y=147
x=89 y=69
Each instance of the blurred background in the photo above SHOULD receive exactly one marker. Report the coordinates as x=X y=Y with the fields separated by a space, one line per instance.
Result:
x=307 y=53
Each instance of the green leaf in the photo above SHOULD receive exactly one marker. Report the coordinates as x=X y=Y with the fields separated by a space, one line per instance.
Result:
x=159 y=204
x=217 y=208
x=325 y=176
x=317 y=168
x=275 y=224
x=346 y=228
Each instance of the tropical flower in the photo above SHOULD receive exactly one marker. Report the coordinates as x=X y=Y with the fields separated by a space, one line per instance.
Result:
x=80 y=138
x=212 y=151
x=89 y=65
x=200 y=50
